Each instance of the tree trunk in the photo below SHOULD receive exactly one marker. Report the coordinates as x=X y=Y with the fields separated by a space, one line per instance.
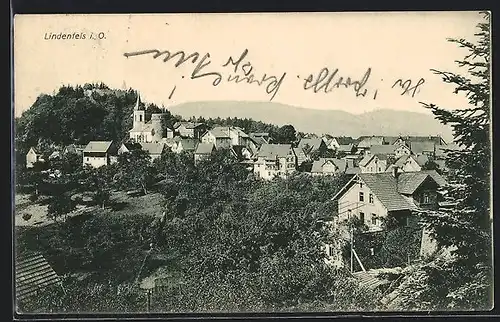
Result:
x=144 y=189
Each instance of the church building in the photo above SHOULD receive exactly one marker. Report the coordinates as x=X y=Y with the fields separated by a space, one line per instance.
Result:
x=146 y=131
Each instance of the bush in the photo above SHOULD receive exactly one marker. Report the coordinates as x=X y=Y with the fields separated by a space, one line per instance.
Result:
x=33 y=197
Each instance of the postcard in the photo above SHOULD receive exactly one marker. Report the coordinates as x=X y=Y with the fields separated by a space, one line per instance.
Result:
x=252 y=162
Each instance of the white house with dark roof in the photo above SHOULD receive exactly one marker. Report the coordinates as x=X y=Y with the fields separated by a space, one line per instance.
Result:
x=328 y=166
x=218 y=136
x=409 y=163
x=373 y=163
x=365 y=143
x=99 y=153
x=372 y=196
x=274 y=160
x=310 y=145
x=186 y=144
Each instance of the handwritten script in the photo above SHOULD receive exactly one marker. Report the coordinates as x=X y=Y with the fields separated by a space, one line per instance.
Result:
x=239 y=69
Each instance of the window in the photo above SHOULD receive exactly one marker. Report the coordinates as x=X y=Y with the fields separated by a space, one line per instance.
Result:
x=361 y=196
x=87 y=159
x=374 y=219
x=140 y=118
x=362 y=217
x=361 y=184
x=331 y=252
x=371 y=198
x=427 y=198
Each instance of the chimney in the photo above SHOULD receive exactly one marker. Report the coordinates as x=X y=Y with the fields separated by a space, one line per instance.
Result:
x=396 y=172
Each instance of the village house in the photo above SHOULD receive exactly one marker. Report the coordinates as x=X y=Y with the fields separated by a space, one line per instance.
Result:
x=389 y=150
x=373 y=163
x=275 y=160
x=425 y=148
x=190 y=129
x=146 y=131
x=99 y=153
x=409 y=163
x=73 y=149
x=203 y=150
x=311 y=145
x=126 y=147
x=346 y=149
x=328 y=166
x=172 y=143
x=260 y=137
x=218 y=136
x=154 y=150
x=301 y=156
x=186 y=144
x=436 y=140
x=32 y=157
x=365 y=143
x=334 y=143
x=241 y=152
x=373 y=196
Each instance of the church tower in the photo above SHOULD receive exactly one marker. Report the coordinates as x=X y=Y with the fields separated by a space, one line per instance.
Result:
x=139 y=114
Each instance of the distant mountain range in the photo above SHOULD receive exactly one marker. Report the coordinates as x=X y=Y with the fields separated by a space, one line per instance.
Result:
x=338 y=123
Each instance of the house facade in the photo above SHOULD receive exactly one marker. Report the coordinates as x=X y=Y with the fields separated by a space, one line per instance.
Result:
x=373 y=163
x=274 y=160
x=190 y=129
x=370 y=197
x=99 y=153
x=328 y=166
x=32 y=157
x=218 y=137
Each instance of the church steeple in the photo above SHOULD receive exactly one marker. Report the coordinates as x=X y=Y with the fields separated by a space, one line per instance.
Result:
x=137 y=106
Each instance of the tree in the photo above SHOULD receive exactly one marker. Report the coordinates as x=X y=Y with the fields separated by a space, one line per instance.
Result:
x=464 y=279
x=284 y=135
x=136 y=170
x=60 y=205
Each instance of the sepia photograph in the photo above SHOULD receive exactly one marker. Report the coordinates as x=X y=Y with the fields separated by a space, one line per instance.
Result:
x=252 y=163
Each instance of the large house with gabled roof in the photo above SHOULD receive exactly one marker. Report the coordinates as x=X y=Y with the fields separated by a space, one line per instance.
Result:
x=373 y=196
x=99 y=153
x=274 y=160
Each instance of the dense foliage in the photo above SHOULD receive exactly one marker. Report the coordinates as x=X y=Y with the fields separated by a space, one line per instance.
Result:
x=463 y=279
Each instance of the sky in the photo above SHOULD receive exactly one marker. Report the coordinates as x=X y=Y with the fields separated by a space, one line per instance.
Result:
x=372 y=49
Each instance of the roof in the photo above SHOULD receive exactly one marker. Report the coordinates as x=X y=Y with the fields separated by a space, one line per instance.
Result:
x=73 y=148
x=258 y=139
x=344 y=140
x=367 y=158
x=33 y=274
x=353 y=170
x=188 y=144
x=34 y=150
x=420 y=160
x=187 y=125
x=391 y=191
x=385 y=187
x=153 y=148
x=313 y=143
x=383 y=149
x=426 y=139
x=143 y=127
x=261 y=134
x=301 y=156
x=273 y=151
x=373 y=279
x=204 y=148
x=317 y=166
x=420 y=147
x=98 y=146
x=442 y=150
x=138 y=105
x=220 y=132
x=367 y=142
x=345 y=147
